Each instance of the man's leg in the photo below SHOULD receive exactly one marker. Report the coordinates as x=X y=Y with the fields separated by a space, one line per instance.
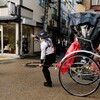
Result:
x=47 y=76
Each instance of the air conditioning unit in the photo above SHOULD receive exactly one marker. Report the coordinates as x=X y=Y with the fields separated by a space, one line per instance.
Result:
x=12 y=10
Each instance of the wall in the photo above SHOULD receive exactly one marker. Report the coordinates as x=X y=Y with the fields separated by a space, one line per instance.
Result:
x=80 y=8
x=38 y=11
x=29 y=3
x=87 y=4
x=36 y=41
x=3 y=11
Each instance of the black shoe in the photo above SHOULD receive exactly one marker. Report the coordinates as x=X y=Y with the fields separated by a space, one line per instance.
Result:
x=47 y=84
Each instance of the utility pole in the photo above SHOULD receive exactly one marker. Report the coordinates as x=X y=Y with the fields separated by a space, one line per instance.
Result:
x=46 y=7
x=59 y=18
x=20 y=27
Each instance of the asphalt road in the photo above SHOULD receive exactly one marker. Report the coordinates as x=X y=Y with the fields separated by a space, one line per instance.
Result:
x=18 y=82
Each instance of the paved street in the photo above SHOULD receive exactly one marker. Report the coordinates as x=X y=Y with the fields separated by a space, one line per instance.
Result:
x=18 y=82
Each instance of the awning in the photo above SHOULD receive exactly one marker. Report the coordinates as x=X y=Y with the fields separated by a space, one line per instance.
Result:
x=8 y=18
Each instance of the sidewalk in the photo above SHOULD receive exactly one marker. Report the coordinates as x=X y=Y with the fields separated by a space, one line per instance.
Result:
x=6 y=59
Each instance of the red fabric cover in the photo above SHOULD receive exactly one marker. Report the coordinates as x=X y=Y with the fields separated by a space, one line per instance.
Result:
x=95 y=68
x=74 y=46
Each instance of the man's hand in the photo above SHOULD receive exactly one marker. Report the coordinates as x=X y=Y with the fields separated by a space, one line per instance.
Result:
x=40 y=65
x=33 y=36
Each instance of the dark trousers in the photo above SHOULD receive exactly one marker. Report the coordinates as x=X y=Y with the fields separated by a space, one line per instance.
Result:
x=48 y=62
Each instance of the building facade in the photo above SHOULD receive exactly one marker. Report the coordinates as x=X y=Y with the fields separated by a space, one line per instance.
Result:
x=21 y=18
x=88 y=5
x=16 y=25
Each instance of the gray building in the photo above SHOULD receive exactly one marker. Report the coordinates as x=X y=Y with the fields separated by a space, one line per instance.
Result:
x=21 y=18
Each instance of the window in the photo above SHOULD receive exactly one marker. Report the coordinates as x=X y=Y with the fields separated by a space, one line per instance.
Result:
x=42 y=2
x=54 y=11
x=95 y=2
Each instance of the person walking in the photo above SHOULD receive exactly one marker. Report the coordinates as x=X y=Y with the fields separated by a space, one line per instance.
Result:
x=25 y=46
x=47 y=56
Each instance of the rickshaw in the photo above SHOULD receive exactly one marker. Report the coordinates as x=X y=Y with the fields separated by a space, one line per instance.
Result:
x=79 y=73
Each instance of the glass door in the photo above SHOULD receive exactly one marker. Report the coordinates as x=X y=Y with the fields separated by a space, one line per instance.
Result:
x=0 y=41
x=9 y=38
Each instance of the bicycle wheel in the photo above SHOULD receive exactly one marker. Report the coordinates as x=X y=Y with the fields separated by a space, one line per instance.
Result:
x=81 y=79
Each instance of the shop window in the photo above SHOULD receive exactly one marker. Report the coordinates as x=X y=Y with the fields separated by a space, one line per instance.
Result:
x=9 y=39
x=26 y=39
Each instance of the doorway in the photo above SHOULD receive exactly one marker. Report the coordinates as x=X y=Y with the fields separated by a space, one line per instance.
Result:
x=7 y=39
x=27 y=42
x=1 y=39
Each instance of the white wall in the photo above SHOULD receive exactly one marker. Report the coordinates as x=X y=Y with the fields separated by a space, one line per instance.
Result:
x=38 y=11
x=34 y=5
x=3 y=11
x=28 y=3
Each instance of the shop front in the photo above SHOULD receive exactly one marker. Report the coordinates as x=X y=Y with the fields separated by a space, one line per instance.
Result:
x=9 y=43
x=16 y=26
x=8 y=38
x=27 y=41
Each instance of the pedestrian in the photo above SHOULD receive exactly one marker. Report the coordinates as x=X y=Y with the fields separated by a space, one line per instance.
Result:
x=25 y=46
x=58 y=49
x=47 y=56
